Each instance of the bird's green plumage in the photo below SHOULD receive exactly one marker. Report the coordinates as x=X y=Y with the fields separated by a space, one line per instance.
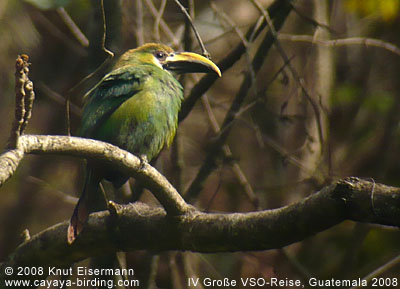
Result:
x=135 y=106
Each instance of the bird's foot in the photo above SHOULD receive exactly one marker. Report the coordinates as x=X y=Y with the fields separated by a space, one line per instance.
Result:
x=143 y=161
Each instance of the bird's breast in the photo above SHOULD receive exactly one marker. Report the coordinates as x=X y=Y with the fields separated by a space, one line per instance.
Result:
x=147 y=121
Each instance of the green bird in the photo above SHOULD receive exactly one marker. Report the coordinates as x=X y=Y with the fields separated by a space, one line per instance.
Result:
x=135 y=107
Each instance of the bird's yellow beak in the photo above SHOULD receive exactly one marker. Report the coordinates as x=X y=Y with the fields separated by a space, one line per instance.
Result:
x=189 y=62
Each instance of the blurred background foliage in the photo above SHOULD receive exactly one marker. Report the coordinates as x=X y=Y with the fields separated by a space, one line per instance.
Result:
x=275 y=140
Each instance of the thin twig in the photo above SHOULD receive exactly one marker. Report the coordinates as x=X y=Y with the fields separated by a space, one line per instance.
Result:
x=216 y=190
x=296 y=264
x=103 y=41
x=68 y=114
x=246 y=43
x=48 y=187
x=59 y=99
x=368 y=42
x=187 y=33
x=78 y=34
x=58 y=34
x=240 y=175
x=227 y=62
x=210 y=162
x=158 y=20
x=221 y=36
x=196 y=33
x=380 y=270
x=177 y=160
x=260 y=93
x=110 y=55
x=282 y=152
x=293 y=71
x=150 y=266
x=176 y=271
x=312 y=21
x=29 y=99
x=230 y=22
x=264 y=139
x=21 y=76
x=24 y=97
x=164 y=26
x=139 y=22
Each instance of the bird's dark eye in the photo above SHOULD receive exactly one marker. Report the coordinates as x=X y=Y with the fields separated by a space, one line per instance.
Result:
x=161 y=55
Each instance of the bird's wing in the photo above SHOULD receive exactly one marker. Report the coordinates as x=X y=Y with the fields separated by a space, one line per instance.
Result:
x=102 y=100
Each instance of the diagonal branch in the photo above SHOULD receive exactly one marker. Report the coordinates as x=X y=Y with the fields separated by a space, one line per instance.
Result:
x=210 y=162
x=208 y=80
x=196 y=33
x=73 y=27
x=292 y=70
x=163 y=25
x=237 y=170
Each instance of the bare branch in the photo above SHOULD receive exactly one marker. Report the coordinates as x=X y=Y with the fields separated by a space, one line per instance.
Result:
x=112 y=155
x=382 y=269
x=164 y=26
x=246 y=43
x=110 y=55
x=311 y=20
x=48 y=25
x=139 y=22
x=29 y=99
x=348 y=199
x=158 y=20
x=210 y=162
x=75 y=30
x=187 y=33
x=59 y=99
x=9 y=162
x=368 y=42
x=24 y=97
x=208 y=80
x=293 y=71
x=196 y=33
x=237 y=170
x=103 y=42
x=63 y=196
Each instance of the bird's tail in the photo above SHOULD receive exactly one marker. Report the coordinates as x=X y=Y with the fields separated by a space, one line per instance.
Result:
x=90 y=196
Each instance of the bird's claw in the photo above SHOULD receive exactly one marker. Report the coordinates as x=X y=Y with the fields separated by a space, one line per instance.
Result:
x=143 y=161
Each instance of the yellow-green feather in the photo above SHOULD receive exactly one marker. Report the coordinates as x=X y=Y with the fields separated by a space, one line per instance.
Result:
x=135 y=106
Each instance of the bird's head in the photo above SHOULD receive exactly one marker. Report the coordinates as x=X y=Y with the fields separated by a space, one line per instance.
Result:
x=166 y=58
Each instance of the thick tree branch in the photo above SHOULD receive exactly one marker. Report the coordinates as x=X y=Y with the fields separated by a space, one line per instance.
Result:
x=137 y=226
x=87 y=148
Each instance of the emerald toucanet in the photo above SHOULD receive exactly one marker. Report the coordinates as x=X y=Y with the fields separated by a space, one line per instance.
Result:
x=135 y=107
